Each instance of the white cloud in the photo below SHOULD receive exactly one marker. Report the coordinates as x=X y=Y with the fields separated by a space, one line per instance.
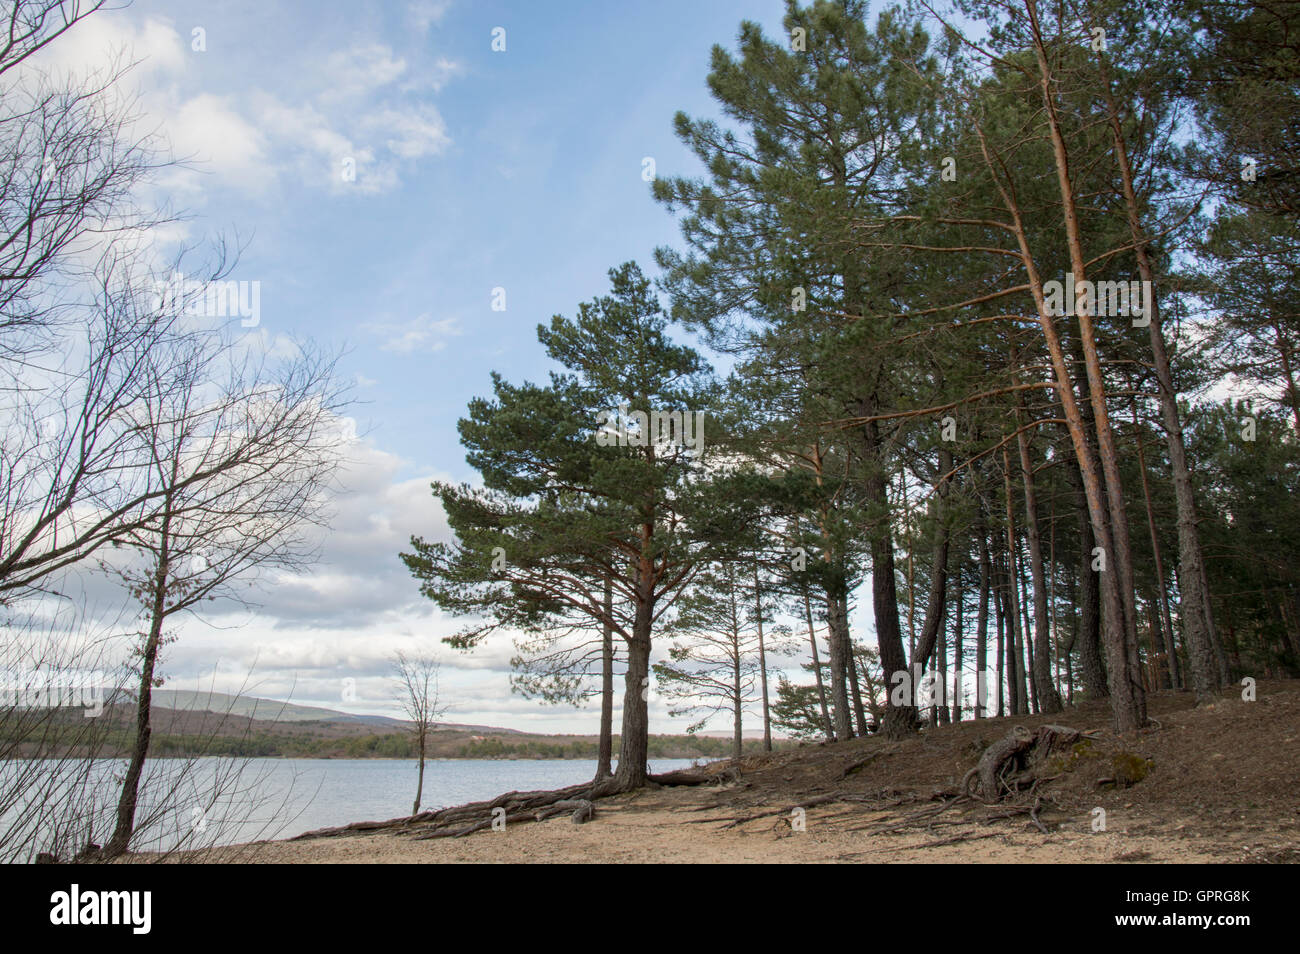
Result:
x=153 y=46
x=210 y=131
x=361 y=69
x=366 y=104
x=424 y=14
x=422 y=333
x=411 y=134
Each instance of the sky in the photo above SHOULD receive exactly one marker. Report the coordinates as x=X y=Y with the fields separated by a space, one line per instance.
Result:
x=475 y=170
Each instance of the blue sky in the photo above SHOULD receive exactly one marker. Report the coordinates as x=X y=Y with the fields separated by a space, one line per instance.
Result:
x=475 y=170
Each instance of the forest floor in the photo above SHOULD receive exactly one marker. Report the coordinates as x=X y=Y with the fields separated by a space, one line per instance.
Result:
x=1222 y=784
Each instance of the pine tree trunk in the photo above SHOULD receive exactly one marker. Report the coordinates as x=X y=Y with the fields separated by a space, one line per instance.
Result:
x=837 y=639
x=817 y=668
x=1170 y=651
x=1006 y=677
x=1092 y=669
x=1046 y=696
x=737 y=700
x=982 y=630
x=899 y=720
x=1222 y=669
x=605 y=755
x=856 y=689
x=936 y=603
x=635 y=738
x=1015 y=656
x=957 y=640
x=1027 y=642
x=941 y=713
x=762 y=664
x=1105 y=492
x=1195 y=611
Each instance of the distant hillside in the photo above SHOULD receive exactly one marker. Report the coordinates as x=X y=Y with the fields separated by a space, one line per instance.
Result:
x=273 y=710
x=189 y=723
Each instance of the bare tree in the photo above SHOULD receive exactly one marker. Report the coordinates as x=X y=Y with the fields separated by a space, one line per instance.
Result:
x=134 y=435
x=417 y=688
x=72 y=475
x=31 y=25
x=57 y=682
x=238 y=456
x=73 y=155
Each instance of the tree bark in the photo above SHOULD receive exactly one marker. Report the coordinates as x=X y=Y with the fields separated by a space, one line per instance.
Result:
x=1110 y=523
x=419 y=785
x=837 y=639
x=940 y=712
x=762 y=662
x=957 y=639
x=1015 y=656
x=817 y=668
x=1027 y=641
x=1171 y=652
x=936 y=603
x=634 y=741
x=127 y=799
x=1049 y=700
x=737 y=697
x=1195 y=610
x=900 y=720
x=1006 y=677
x=605 y=755
x=856 y=689
x=982 y=629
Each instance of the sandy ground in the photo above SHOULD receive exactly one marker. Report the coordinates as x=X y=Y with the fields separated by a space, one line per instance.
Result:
x=1220 y=787
x=667 y=827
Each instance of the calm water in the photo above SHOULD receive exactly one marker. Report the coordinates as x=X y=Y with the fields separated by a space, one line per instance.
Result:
x=329 y=792
x=221 y=801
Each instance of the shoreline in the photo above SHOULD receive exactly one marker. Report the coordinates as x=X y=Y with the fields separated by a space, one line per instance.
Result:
x=1217 y=790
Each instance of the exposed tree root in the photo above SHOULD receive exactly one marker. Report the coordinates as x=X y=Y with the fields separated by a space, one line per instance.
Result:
x=938 y=843
x=460 y=820
x=919 y=819
x=1017 y=760
x=808 y=803
x=860 y=763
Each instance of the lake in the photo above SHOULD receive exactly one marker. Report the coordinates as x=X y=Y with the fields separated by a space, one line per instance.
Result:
x=329 y=792
x=223 y=801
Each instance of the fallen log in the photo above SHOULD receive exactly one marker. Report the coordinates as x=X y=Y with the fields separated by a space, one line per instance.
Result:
x=460 y=820
x=694 y=776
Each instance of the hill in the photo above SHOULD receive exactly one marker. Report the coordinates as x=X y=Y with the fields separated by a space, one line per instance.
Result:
x=187 y=723
x=273 y=710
